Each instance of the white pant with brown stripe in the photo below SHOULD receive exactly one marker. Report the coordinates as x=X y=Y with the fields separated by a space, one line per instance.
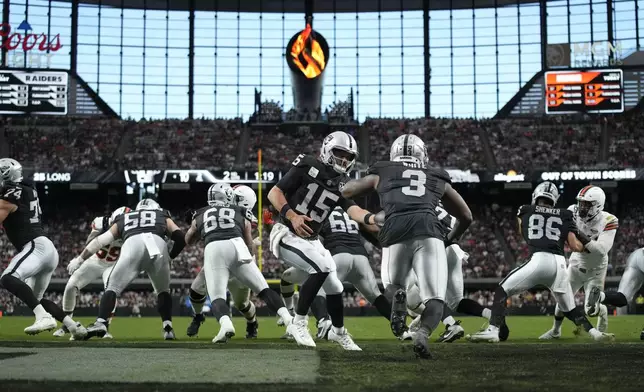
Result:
x=425 y=257
x=34 y=264
x=633 y=277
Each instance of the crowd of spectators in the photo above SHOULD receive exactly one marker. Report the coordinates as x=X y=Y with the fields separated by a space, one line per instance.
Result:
x=183 y=144
x=630 y=235
x=626 y=147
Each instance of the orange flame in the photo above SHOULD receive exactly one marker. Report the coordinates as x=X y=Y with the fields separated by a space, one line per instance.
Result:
x=311 y=53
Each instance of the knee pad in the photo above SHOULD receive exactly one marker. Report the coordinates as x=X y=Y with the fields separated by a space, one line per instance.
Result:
x=332 y=284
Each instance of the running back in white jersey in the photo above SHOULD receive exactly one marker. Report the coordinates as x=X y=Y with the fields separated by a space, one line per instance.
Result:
x=108 y=253
x=602 y=228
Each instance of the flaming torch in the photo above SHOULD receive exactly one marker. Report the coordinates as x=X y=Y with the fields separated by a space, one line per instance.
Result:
x=307 y=55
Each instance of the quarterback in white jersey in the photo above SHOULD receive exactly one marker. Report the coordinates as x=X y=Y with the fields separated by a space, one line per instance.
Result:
x=96 y=267
x=587 y=269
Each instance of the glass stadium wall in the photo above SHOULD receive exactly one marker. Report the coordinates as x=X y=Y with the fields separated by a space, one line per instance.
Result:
x=138 y=60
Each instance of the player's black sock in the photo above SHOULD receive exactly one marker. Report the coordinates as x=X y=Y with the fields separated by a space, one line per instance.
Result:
x=578 y=316
x=220 y=308
x=164 y=305
x=20 y=289
x=615 y=298
x=53 y=309
x=471 y=307
x=308 y=291
x=272 y=299
x=195 y=297
x=319 y=307
x=107 y=305
x=336 y=309
x=431 y=316
x=498 y=307
x=383 y=306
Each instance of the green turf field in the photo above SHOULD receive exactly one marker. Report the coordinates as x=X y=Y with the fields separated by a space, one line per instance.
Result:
x=138 y=359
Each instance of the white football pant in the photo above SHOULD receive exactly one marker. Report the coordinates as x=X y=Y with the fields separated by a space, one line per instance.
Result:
x=34 y=264
x=633 y=277
x=91 y=270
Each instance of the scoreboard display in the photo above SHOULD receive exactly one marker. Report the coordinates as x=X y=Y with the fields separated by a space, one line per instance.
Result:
x=597 y=91
x=33 y=92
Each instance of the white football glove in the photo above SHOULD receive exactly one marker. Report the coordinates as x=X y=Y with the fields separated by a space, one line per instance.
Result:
x=74 y=265
x=257 y=241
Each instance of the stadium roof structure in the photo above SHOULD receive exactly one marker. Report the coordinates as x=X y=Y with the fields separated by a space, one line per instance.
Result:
x=295 y=6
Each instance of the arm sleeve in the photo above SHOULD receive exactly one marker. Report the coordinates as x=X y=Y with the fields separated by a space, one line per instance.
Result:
x=179 y=243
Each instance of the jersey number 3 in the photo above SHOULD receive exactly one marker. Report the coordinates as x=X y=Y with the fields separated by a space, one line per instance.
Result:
x=538 y=226
x=417 y=180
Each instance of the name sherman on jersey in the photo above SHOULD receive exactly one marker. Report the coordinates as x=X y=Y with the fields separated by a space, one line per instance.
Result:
x=218 y=223
x=602 y=228
x=409 y=196
x=24 y=224
x=111 y=252
x=312 y=188
x=545 y=229
x=143 y=221
x=341 y=234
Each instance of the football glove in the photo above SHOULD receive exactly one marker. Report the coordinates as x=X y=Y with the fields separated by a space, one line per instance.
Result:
x=189 y=216
x=74 y=265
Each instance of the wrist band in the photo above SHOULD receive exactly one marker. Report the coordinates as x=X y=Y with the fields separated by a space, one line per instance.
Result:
x=284 y=210
x=366 y=218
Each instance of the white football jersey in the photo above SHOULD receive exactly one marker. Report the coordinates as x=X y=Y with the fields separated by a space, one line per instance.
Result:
x=602 y=229
x=108 y=253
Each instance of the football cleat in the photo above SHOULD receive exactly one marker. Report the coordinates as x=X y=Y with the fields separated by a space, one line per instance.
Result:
x=108 y=335
x=168 y=333
x=287 y=336
x=421 y=344
x=78 y=332
x=299 y=330
x=490 y=335
x=195 y=324
x=415 y=324
x=452 y=333
x=226 y=330
x=407 y=335
x=96 y=329
x=399 y=313
x=344 y=339
x=642 y=334
x=324 y=326
x=60 y=332
x=504 y=332
x=593 y=301
x=46 y=323
x=251 y=330
x=604 y=337
x=551 y=334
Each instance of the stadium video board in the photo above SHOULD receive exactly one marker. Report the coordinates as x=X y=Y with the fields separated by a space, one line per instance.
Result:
x=33 y=92
x=595 y=91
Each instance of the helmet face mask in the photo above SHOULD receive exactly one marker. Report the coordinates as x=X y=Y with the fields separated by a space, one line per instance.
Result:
x=590 y=202
x=340 y=151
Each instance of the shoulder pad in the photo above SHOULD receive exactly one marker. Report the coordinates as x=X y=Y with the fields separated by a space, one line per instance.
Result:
x=11 y=193
x=97 y=223
x=303 y=160
x=376 y=167
x=440 y=173
x=611 y=222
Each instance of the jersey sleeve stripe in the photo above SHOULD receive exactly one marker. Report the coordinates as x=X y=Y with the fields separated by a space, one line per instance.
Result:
x=611 y=226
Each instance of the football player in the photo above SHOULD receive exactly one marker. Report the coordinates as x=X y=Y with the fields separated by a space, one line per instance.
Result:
x=229 y=250
x=144 y=248
x=99 y=265
x=304 y=197
x=630 y=285
x=341 y=236
x=29 y=271
x=244 y=197
x=545 y=229
x=454 y=295
x=412 y=237
x=587 y=269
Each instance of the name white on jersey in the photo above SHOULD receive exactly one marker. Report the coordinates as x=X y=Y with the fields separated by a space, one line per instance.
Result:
x=603 y=222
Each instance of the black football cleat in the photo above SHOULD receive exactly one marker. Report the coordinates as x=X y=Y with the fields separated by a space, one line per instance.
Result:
x=251 y=330
x=642 y=334
x=504 y=332
x=452 y=333
x=193 y=328
x=168 y=333
x=399 y=313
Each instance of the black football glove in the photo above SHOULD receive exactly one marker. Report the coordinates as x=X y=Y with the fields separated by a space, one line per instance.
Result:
x=189 y=216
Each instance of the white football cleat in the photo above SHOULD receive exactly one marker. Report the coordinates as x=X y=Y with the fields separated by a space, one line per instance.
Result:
x=46 y=323
x=604 y=337
x=407 y=335
x=108 y=336
x=226 y=330
x=299 y=330
x=593 y=302
x=324 y=326
x=78 y=332
x=490 y=335
x=551 y=334
x=344 y=339
x=602 y=322
x=60 y=332
x=280 y=322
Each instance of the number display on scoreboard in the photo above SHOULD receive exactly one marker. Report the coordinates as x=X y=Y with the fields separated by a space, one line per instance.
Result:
x=34 y=92
x=597 y=91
